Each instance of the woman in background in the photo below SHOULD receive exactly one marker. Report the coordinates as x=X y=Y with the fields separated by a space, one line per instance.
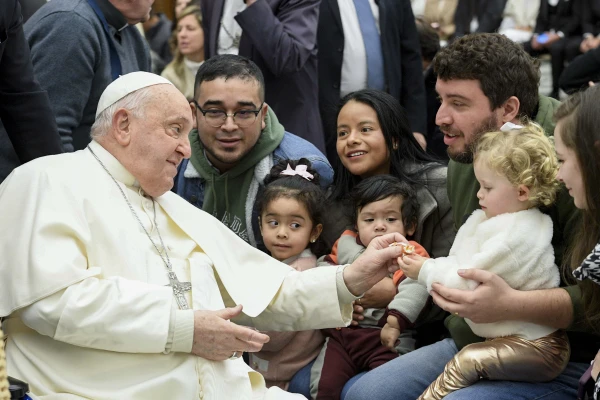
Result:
x=188 y=49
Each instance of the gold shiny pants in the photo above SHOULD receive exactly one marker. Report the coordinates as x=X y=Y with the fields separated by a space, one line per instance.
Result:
x=509 y=358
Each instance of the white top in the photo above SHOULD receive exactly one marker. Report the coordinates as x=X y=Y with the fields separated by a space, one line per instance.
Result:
x=192 y=66
x=518 y=13
x=354 y=63
x=418 y=7
x=515 y=246
x=230 y=31
x=88 y=310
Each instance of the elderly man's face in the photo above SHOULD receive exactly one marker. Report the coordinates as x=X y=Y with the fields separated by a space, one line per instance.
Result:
x=134 y=10
x=227 y=144
x=159 y=140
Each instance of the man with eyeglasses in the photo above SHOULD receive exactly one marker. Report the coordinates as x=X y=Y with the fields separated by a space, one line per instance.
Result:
x=237 y=141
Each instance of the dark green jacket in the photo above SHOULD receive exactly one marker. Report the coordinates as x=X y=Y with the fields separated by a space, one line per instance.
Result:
x=462 y=192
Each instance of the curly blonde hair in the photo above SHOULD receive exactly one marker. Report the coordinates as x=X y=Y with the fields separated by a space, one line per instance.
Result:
x=525 y=156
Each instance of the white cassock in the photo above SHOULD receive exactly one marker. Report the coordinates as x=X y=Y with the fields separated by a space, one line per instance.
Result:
x=90 y=315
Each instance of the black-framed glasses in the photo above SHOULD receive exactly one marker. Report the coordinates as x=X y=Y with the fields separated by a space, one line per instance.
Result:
x=242 y=118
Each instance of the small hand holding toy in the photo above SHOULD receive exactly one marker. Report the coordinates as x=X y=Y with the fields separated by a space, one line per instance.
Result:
x=410 y=263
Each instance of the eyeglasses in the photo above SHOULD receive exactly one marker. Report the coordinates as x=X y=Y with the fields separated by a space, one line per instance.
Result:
x=242 y=118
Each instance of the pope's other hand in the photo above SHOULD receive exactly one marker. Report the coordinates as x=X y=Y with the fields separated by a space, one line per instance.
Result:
x=216 y=338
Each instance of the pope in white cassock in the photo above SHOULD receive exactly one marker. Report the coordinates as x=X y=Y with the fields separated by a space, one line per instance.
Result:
x=115 y=288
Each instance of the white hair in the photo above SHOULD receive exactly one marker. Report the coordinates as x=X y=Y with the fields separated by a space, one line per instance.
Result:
x=133 y=102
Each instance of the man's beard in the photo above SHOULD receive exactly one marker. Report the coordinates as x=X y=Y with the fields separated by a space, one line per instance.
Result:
x=466 y=156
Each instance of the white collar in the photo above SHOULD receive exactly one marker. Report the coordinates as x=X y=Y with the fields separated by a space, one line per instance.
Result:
x=116 y=169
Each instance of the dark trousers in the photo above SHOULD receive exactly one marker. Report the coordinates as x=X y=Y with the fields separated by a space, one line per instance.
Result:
x=580 y=71
x=488 y=13
x=561 y=51
x=347 y=351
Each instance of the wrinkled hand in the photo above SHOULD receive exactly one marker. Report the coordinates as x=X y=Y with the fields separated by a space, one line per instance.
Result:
x=378 y=260
x=390 y=333
x=216 y=338
x=411 y=265
x=489 y=302
x=379 y=296
x=596 y=366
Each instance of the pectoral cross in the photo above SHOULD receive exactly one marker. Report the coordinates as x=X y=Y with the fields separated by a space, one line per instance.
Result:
x=179 y=288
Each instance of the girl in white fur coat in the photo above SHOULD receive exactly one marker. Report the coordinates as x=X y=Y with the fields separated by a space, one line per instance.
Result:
x=509 y=236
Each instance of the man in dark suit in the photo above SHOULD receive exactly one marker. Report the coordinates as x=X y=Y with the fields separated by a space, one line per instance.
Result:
x=488 y=13
x=558 y=32
x=344 y=64
x=29 y=7
x=280 y=37
x=29 y=128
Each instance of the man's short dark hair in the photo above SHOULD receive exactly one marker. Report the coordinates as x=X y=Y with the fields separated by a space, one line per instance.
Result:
x=229 y=66
x=380 y=187
x=501 y=66
x=428 y=38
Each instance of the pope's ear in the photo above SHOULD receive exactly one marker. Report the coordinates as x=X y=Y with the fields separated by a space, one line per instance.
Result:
x=121 y=127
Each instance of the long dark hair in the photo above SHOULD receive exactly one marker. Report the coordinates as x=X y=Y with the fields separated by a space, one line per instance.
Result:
x=306 y=192
x=580 y=120
x=397 y=133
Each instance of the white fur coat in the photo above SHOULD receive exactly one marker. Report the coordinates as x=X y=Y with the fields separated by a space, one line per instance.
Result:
x=515 y=246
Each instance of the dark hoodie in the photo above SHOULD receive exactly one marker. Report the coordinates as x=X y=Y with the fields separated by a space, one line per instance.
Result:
x=225 y=195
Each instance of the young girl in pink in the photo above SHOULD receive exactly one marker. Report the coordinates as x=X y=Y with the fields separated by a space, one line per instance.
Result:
x=291 y=220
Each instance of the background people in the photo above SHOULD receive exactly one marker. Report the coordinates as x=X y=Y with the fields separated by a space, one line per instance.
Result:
x=188 y=42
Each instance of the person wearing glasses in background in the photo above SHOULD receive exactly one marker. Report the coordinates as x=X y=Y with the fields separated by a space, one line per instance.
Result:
x=237 y=140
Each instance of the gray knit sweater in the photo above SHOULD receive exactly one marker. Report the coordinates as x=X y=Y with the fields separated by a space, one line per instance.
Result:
x=71 y=60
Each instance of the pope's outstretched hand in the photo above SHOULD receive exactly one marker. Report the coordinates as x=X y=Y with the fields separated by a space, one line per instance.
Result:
x=377 y=262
